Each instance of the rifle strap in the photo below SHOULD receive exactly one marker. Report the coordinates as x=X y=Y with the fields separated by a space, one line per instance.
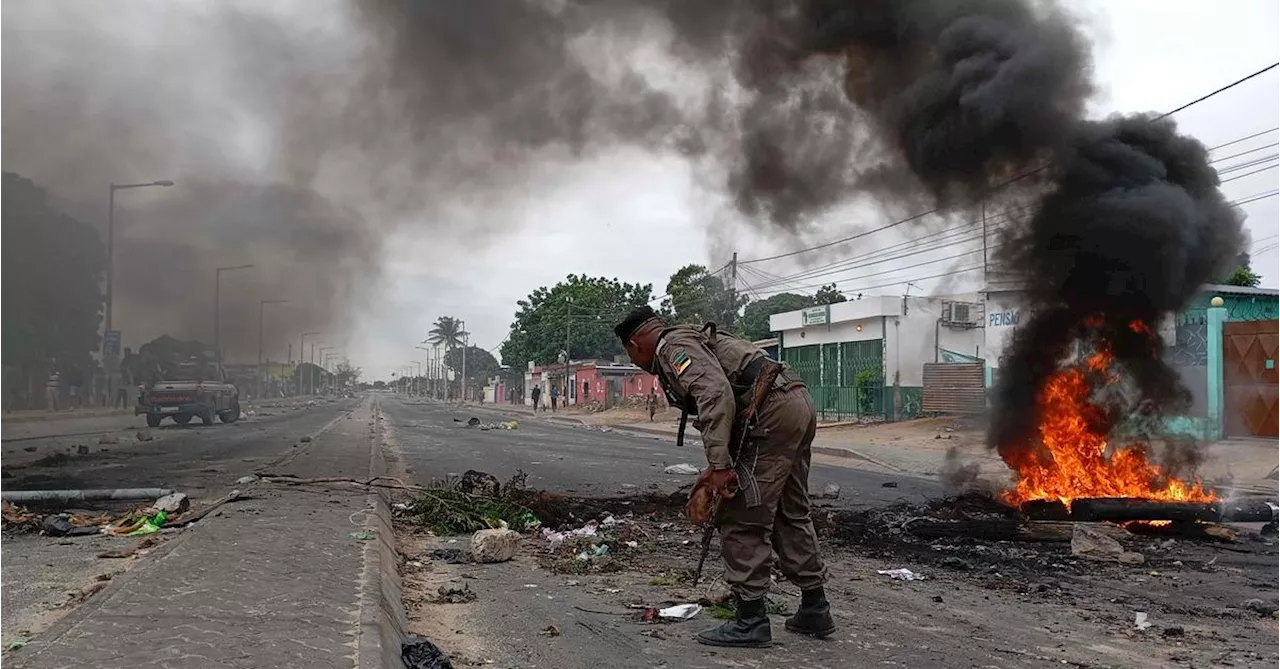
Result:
x=684 y=423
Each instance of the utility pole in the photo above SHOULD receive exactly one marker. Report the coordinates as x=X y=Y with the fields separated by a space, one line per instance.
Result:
x=984 y=243
x=463 y=384
x=302 y=353
x=733 y=291
x=568 y=304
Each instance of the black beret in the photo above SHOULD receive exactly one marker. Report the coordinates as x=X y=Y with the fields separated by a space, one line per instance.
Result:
x=633 y=321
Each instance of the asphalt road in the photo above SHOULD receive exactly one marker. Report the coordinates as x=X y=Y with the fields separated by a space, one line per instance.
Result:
x=435 y=441
x=193 y=459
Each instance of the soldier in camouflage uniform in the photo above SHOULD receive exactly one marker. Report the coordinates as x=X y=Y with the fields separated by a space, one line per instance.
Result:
x=712 y=375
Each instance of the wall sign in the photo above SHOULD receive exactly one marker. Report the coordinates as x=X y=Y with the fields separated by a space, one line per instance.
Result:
x=999 y=319
x=816 y=315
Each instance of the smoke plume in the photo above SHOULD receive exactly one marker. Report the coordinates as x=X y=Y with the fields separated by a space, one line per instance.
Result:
x=304 y=137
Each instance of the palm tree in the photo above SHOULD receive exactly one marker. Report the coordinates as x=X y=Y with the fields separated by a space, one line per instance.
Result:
x=446 y=332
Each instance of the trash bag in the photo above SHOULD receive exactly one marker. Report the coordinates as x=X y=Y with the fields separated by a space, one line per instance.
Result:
x=419 y=653
x=473 y=421
x=56 y=526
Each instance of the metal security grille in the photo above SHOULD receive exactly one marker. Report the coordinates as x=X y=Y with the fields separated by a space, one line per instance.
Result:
x=846 y=380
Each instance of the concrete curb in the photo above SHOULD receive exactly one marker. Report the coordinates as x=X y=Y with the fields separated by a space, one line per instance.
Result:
x=383 y=620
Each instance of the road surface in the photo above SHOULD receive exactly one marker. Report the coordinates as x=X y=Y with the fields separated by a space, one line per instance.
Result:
x=435 y=441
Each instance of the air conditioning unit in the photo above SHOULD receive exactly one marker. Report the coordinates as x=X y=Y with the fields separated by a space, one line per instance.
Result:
x=963 y=314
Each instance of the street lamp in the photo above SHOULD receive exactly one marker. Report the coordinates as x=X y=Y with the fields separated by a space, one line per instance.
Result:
x=111 y=240
x=302 y=353
x=217 y=305
x=261 y=307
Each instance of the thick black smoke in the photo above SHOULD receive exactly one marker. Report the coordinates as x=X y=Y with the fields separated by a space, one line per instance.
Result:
x=983 y=100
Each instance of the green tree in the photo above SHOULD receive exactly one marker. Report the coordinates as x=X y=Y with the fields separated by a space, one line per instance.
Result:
x=481 y=366
x=695 y=295
x=755 y=317
x=588 y=306
x=52 y=299
x=1244 y=276
x=446 y=332
x=344 y=373
x=828 y=295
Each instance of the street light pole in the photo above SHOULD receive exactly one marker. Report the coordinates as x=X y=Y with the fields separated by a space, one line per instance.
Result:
x=111 y=243
x=313 y=370
x=261 y=308
x=302 y=353
x=217 y=305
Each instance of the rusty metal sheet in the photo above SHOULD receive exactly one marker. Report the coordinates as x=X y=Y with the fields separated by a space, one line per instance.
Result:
x=954 y=388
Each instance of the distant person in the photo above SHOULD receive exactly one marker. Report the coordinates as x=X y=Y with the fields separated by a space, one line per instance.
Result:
x=51 y=387
x=652 y=404
x=555 y=395
x=586 y=392
x=536 y=396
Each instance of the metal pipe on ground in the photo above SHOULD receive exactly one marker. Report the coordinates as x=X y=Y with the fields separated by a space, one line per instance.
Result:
x=118 y=494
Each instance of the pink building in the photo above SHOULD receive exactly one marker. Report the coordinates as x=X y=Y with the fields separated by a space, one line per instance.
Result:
x=609 y=383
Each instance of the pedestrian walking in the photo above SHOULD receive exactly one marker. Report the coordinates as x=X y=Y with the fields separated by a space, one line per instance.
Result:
x=536 y=395
x=652 y=403
x=754 y=489
x=555 y=395
x=75 y=386
x=52 y=388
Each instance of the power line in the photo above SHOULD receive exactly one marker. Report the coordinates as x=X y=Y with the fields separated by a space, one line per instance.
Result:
x=1243 y=139
x=1248 y=174
x=996 y=187
x=1244 y=153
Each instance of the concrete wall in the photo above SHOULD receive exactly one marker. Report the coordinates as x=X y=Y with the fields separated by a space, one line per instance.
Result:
x=913 y=339
x=1005 y=312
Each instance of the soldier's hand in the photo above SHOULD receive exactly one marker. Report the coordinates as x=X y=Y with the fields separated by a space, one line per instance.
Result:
x=710 y=483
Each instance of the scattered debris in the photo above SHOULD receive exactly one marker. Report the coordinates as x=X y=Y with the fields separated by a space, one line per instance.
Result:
x=450 y=555
x=1140 y=620
x=551 y=630
x=143 y=435
x=1260 y=607
x=494 y=545
x=246 y=480
x=174 y=503
x=889 y=484
x=363 y=535
x=305 y=440
x=1092 y=542
x=1172 y=631
x=479 y=483
x=681 y=611
x=75 y=598
x=446 y=512
x=417 y=652
x=472 y=421
x=683 y=468
x=599 y=551
x=450 y=593
x=108 y=440
x=829 y=491
x=82 y=449
x=129 y=552
x=901 y=574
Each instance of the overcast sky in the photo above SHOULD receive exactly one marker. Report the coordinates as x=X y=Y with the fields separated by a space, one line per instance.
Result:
x=638 y=218
x=373 y=229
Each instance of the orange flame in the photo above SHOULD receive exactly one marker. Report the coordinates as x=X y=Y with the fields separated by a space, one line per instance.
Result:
x=1076 y=460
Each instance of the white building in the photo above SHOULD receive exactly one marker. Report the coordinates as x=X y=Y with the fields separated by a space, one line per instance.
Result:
x=868 y=356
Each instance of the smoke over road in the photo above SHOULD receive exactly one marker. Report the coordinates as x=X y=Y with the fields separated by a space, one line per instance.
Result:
x=304 y=136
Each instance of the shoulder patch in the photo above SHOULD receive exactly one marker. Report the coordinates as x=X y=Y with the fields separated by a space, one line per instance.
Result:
x=681 y=362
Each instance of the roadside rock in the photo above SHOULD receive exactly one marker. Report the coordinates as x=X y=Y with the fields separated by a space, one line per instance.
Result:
x=494 y=545
x=829 y=491
x=144 y=435
x=173 y=503
x=305 y=440
x=108 y=439
x=1093 y=543
x=1260 y=607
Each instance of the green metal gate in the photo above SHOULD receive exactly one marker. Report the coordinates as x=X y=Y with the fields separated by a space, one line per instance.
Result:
x=846 y=379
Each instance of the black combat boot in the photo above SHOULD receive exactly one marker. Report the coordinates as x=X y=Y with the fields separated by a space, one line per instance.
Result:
x=748 y=629
x=814 y=615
